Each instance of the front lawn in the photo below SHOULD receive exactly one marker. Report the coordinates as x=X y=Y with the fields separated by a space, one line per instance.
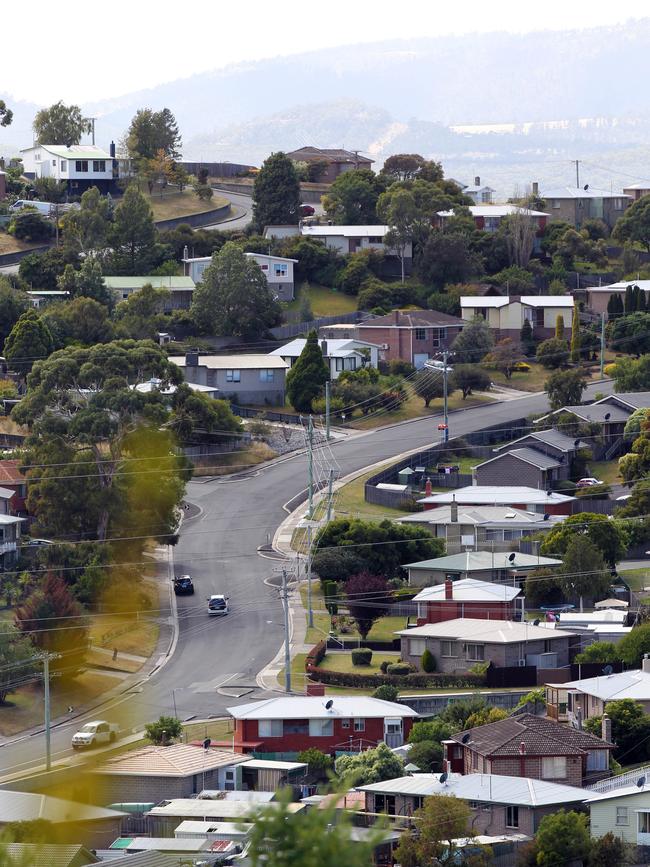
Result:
x=605 y=471
x=324 y=301
x=342 y=661
x=636 y=578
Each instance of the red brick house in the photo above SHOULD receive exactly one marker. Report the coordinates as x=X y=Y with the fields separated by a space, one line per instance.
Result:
x=291 y=724
x=533 y=747
x=334 y=161
x=469 y=597
x=12 y=478
x=412 y=335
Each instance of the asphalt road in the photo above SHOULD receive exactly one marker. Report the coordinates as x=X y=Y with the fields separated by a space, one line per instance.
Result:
x=242 y=205
x=219 y=548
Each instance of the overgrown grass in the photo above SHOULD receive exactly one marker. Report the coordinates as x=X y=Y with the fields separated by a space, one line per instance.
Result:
x=9 y=244
x=234 y=462
x=324 y=301
x=605 y=471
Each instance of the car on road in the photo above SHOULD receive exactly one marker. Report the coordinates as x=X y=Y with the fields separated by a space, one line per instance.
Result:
x=183 y=585
x=94 y=734
x=218 y=605
x=307 y=210
x=588 y=482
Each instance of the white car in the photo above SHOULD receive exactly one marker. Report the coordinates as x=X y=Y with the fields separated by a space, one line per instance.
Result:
x=94 y=733
x=434 y=364
x=218 y=605
x=588 y=482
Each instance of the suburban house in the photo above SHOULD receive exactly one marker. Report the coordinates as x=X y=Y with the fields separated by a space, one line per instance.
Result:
x=550 y=442
x=353 y=239
x=578 y=700
x=339 y=355
x=12 y=479
x=52 y=854
x=334 y=161
x=180 y=289
x=637 y=191
x=506 y=314
x=480 y=193
x=482 y=565
x=623 y=812
x=516 y=496
x=483 y=528
x=499 y=804
x=277 y=269
x=163 y=819
x=488 y=218
x=411 y=335
x=530 y=746
x=577 y=204
x=530 y=466
x=459 y=644
x=246 y=378
x=9 y=528
x=290 y=724
x=40 y=298
x=610 y=412
x=84 y=824
x=597 y=297
x=154 y=773
x=469 y=597
x=80 y=166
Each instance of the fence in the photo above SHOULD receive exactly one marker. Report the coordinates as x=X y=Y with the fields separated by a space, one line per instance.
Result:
x=293 y=329
x=265 y=414
x=450 y=480
x=599 y=507
x=435 y=703
x=511 y=676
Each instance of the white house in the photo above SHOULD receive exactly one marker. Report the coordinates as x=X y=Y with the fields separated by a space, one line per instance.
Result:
x=81 y=166
x=352 y=239
x=180 y=289
x=624 y=812
x=340 y=355
x=506 y=315
x=278 y=271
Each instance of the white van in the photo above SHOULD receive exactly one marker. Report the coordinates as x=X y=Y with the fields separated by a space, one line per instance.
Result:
x=44 y=208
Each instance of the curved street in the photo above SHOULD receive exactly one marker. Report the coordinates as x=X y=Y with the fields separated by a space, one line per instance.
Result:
x=217 y=659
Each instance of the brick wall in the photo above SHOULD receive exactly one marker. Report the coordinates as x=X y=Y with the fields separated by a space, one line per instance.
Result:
x=437 y=612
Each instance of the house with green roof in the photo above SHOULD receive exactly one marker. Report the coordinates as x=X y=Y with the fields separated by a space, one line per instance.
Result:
x=180 y=289
x=80 y=166
x=501 y=567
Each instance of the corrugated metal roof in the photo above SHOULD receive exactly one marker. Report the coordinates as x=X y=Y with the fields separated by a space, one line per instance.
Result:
x=413 y=319
x=470 y=590
x=335 y=347
x=171 y=283
x=497 y=495
x=313 y=707
x=580 y=193
x=52 y=854
x=345 y=231
x=480 y=560
x=195 y=808
x=535 y=457
x=168 y=844
x=551 y=437
x=26 y=806
x=547 y=300
x=271 y=765
x=607 y=687
x=485 y=788
x=487 y=631
x=203 y=828
x=235 y=362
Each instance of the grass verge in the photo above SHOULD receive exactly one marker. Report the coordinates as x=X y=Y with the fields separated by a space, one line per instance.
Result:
x=413 y=407
x=234 y=462
x=173 y=204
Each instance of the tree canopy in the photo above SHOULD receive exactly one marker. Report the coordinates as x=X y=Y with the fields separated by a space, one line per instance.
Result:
x=634 y=224
x=60 y=124
x=606 y=534
x=29 y=340
x=307 y=377
x=352 y=198
x=472 y=343
x=133 y=235
x=565 y=388
x=276 y=193
x=153 y=131
x=439 y=825
x=369 y=766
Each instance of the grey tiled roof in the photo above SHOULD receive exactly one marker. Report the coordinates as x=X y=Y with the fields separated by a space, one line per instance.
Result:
x=537 y=458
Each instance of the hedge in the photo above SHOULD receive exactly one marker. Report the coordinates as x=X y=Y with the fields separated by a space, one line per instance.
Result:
x=418 y=680
x=316 y=655
x=361 y=656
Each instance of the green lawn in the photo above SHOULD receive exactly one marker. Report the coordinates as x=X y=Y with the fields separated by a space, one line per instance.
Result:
x=324 y=301
x=342 y=661
x=606 y=471
x=636 y=578
x=174 y=204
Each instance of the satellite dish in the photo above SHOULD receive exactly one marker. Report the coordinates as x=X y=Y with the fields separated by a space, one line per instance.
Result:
x=546 y=516
x=328 y=704
x=465 y=738
x=586 y=187
x=511 y=557
x=641 y=782
x=608 y=669
x=576 y=443
x=536 y=621
x=207 y=743
x=443 y=777
x=607 y=416
x=549 y=493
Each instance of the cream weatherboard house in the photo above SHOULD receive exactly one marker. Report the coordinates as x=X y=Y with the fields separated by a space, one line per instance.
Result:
x=506 y=314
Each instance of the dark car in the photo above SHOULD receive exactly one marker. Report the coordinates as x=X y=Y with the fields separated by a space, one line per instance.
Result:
x=307 y=211
x=183 y=586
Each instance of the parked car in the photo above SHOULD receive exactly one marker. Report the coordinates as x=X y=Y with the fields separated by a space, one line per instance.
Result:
x=307 y=210
x=95 y=733
x=44 y=208
x=435 y=364
x=218 y=604
x=521 y=367
x=589 y=482
x=623 y=498
x=183 y=585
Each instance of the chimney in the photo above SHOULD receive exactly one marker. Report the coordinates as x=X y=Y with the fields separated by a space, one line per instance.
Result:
x=395 y=317
x=535 y=188
x=522 y=749
x=323 y=348
x=454 y=510
x=192 y=358
x=449 y=589
x=111 y=149
x=477 y=181
x=606 y=729
x=645 y=663
x=427 y=488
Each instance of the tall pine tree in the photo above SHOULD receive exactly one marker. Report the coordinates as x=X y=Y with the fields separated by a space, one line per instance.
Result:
x=276 y=193
x=307 y=377
x=575 y=335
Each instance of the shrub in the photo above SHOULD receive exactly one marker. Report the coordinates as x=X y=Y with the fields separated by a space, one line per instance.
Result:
x=163 y=730
x=417 y=680
x=428 y=662
x=383 y=666
x=400 y=668
x=552 y=353
x=386 y=692
x=362 y=656
x=319 y=763
x=315 y=655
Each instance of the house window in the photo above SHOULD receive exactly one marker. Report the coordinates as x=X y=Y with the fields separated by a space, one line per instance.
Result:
x=233 y=376
x=644 y=823
x=359 y=725
x=448 y=648
x=512 y=817
x=475 y=761
x=481 y=311
x=345 y=723
x=548 y=646
x=473 y=805
x=270 y=728
x=53 y=162
x=618 y=204
x=420 y=333
x=264 y=267
x=64 y=165
x=375 y=240
x=321 y=728
x=622 y=817
x=554 y=768
x=267 y=375
x=295 y=727
x=555 y=203
x=81 y=165
x=99 y=165
x=475 y=652
x=417 y=646
x=280 y=269
x=338 y=363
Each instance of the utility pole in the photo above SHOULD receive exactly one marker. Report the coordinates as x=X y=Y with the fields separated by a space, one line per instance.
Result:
x=602 y=345
x=330 y=486
x=46 y=692
x=287 y=651
x=310 y=467
x=445 y=355
x=327 y=410
x=310 y=611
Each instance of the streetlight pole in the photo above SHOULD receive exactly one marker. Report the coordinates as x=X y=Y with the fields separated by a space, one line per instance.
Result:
x=310 y=467
x=327 y=410
x=310 y=610
x=445 y=356
x=287 y=650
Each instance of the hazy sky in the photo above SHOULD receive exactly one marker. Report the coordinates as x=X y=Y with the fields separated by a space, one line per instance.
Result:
x=103 y=50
